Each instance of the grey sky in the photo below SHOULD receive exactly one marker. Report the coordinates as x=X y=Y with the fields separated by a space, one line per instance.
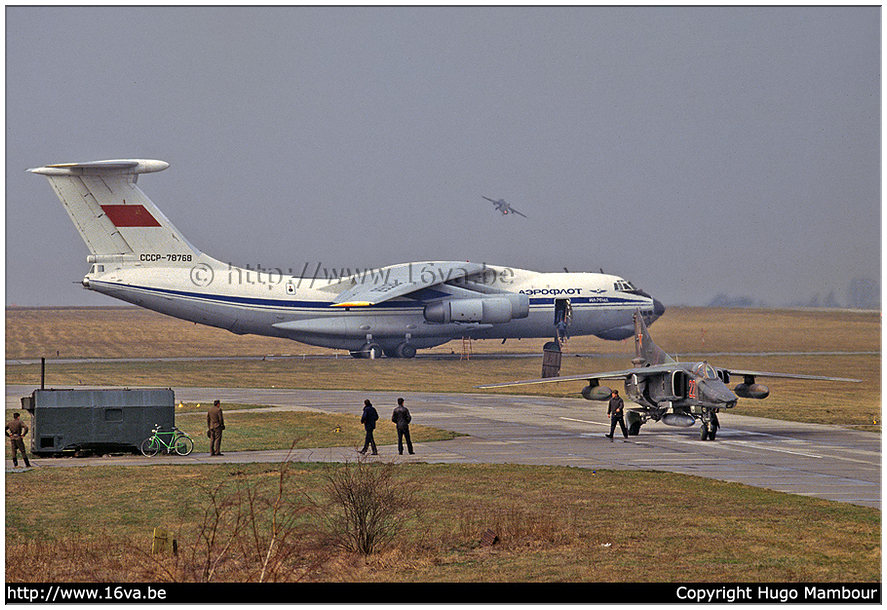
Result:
x=691 y=150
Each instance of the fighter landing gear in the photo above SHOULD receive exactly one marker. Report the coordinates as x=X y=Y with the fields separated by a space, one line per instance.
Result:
x=710 y=426
x=633 y=421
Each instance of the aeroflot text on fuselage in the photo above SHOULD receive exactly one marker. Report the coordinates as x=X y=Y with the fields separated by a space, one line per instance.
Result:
x=551 y=292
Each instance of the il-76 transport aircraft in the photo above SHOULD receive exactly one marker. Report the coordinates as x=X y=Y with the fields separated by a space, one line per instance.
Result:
x=138 y=256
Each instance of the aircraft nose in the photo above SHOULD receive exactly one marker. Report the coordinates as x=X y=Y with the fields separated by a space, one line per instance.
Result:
x=720 y=393
x=658 y=309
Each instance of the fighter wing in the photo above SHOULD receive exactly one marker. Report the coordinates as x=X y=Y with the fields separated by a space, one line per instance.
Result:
x=400 y=280
x=737 y=373
x=516 y=212
x=625 y=374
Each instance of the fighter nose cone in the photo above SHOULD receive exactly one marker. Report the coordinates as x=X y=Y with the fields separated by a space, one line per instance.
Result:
x=658 y=308
x=718 y=393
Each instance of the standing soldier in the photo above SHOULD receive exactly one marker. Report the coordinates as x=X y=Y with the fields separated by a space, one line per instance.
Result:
x=215 y=422
x=615 y=411
x=401 y=418
x=368 y=419
x=16 y=430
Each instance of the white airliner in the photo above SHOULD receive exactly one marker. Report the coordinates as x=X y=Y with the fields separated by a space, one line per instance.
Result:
x=138 y=256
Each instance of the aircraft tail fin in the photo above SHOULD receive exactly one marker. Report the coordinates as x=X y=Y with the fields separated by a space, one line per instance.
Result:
x=113 y=216
x=647 y=353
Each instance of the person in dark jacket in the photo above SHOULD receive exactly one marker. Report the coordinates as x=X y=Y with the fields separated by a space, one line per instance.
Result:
x=401 y=418
x=368 y=418
x=16 y=430
x=215 y=423
x=615 y=411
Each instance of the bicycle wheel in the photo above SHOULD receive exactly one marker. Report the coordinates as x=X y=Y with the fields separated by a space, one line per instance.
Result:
x=184 y=445
x=150 y=446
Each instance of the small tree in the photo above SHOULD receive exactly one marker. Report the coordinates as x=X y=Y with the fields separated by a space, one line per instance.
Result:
x=365 y=505
x=253 y=534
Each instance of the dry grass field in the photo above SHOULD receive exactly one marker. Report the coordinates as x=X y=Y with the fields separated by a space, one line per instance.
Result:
x=554 y=525
x=132 y=332
x=820 y=342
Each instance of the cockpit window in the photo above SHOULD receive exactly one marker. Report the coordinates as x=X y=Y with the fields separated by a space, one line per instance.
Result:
x=623 y=286
x=705 y=370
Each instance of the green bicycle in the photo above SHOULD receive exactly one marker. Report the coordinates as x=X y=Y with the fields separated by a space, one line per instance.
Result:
x=179 y=442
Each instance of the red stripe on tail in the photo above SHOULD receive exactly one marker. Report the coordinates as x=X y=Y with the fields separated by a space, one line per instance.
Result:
x=130 y=216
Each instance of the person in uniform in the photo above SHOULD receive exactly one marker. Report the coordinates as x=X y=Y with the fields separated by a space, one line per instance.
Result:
x=16 y=430
x=215 y=422
x=368 y=418
x=401 y=418
x=615 y=411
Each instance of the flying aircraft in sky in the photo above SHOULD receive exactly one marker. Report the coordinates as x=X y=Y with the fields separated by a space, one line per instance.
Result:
x=138 y=256
x=676 y=393
x=503 y=207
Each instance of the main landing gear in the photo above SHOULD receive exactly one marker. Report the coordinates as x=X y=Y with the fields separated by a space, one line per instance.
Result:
x=373 y=350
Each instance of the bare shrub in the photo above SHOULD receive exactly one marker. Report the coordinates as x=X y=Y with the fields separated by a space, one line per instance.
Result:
x=364 y=506
x=253 y=535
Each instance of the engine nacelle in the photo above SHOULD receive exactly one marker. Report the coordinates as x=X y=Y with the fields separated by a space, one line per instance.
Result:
x=681 y=420
x=596 y=392
x=488 y=310
x=755 y=390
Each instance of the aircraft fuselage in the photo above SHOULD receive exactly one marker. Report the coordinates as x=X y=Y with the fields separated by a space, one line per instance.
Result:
x=266 y=302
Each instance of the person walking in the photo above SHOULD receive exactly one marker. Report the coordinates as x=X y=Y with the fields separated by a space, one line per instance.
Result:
x=16 y=430
x=215 y=423
x=401 y=418
x=615 y=411
x=368 y=418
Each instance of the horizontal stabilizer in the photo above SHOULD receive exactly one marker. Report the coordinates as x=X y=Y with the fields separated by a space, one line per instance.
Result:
x=114 y=217
x=95 y=168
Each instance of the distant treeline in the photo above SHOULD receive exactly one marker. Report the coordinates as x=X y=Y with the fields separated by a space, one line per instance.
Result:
x=862 y=293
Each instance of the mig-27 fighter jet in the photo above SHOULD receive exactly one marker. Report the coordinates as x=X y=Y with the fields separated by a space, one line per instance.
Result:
x=503 y=207
x=676 y=393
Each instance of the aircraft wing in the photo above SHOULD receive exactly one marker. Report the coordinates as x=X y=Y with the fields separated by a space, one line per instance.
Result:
x=520 y=213
x=647 y=370
x=401 y=280
x=790 y=376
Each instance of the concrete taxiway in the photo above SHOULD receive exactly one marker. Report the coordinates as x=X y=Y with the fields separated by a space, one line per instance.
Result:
x=827 y=462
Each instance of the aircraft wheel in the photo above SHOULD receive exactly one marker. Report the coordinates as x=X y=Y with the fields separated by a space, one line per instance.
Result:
x=368 y=350
x=703 y=435
x=634 y=429
x=405 y=350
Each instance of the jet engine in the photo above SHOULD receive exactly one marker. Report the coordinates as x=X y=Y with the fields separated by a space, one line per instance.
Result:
x=487 y=310
x=681 y=420
x=596 y=392
x=752 y=390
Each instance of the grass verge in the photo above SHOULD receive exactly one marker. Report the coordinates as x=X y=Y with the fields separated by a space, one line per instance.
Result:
x=553 y=524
